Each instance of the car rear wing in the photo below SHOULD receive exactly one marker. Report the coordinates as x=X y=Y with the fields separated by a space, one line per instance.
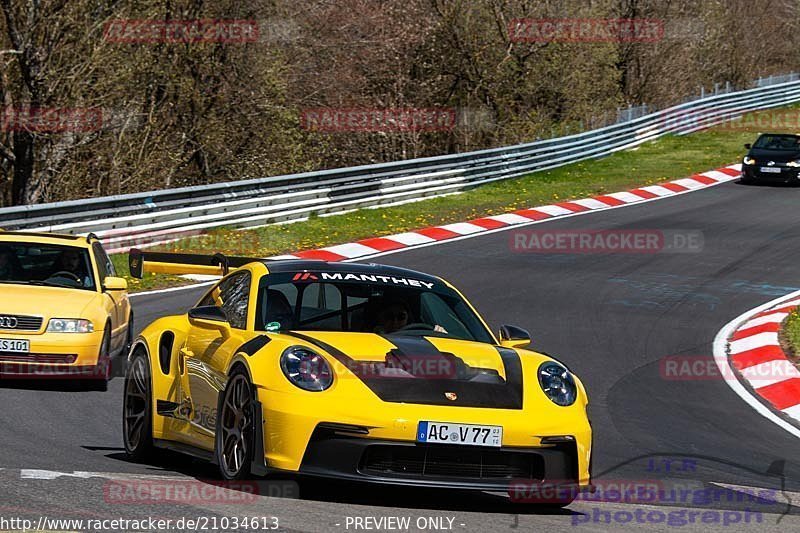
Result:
x=141 y=262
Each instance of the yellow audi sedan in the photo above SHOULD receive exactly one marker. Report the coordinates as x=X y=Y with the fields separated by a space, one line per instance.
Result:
x=63 y=311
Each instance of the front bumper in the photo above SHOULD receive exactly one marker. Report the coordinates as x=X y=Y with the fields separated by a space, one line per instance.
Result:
x=52 y=354
x=786 y=174
x=297 y=437
x=331 y=454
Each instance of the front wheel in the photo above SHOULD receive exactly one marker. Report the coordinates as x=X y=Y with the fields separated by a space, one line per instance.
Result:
x=128 y=337
x=234 y=447
x=137 y=426
x=102 y=371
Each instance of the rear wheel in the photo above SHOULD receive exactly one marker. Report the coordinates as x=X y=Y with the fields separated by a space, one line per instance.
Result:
x=235 y=428
x=137 y=412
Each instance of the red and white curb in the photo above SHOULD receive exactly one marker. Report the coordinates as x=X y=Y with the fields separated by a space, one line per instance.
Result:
x=378 y=246
x=425 y=237
x=748 y=347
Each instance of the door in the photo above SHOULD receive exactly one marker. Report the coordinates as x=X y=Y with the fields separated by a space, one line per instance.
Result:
x=116 y=302
x=206 y=353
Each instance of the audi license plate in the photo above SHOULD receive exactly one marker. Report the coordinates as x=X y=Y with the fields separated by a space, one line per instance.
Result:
x=469 y=434
x=15 y=345
x=771 y=170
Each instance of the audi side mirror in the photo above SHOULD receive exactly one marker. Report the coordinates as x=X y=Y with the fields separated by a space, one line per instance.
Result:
x=115 y=284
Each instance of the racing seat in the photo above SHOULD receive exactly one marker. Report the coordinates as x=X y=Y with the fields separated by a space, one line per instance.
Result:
x=279 y=310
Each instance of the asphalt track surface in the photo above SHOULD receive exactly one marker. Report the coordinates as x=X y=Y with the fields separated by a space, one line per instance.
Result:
x=611 y=318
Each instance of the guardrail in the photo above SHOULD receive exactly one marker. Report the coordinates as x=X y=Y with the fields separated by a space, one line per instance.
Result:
x=157 y=217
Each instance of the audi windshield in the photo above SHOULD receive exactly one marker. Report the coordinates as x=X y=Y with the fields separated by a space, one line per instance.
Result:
x=46 y=264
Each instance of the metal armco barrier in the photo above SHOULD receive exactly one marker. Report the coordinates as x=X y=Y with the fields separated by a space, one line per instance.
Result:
x=156 y=217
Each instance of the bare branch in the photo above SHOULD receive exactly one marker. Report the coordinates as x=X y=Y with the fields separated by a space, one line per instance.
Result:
x=6 y=153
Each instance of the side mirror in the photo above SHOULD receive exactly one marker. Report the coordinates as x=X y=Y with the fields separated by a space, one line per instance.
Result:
x=747 y=145
x=209 y=317
x=514 y=337
x=115 y=284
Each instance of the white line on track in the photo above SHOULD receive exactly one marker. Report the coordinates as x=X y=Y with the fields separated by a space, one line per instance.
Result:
x=78 y=474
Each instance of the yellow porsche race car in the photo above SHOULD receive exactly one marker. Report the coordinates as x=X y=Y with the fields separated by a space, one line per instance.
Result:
x=63 y=311
x=350 y=371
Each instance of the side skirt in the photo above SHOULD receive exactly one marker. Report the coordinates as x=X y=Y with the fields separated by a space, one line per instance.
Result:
x=187 y=449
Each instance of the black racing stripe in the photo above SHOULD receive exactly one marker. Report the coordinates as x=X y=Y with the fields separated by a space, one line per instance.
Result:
x=432 y=391
x=254 y=345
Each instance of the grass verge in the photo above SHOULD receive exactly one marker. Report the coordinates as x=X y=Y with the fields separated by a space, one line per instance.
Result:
x=790 y=336
x=665 y=159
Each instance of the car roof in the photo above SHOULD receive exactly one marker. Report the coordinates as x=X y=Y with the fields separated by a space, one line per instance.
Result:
x=47 y=238
x=298 y=265
x=795 y=135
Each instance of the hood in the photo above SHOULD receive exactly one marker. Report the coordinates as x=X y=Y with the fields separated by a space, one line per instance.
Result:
x=45 y=301
x=428 y=370
x=779 y=156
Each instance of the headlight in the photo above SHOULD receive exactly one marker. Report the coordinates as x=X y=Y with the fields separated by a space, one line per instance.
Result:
x=793 y=164
x=306 y=369
x=69 y=325
x=748 y=161
x=557 y=383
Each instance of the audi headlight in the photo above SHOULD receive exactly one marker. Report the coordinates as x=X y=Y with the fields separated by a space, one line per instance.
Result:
x=794 y=164
x=748 y=160
x=557 y=383
x=69 y=325
x=306 y=369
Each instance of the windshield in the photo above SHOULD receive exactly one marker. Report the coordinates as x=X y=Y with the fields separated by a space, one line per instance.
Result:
x=45 y=264
x=778 y=142
x=365 y=303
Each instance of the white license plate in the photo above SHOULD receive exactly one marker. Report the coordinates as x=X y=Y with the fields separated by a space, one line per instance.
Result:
x=771 y=170
x=468 y=434
x=15 y=345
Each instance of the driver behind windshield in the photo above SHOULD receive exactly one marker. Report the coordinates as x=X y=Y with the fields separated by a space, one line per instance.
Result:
x=71 y=261
x=393 y=316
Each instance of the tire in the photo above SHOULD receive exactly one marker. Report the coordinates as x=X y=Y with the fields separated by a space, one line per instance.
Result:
x=137 y=409
x=234 y=443
x=102 y=371
x=129 y=337
x=122 y=357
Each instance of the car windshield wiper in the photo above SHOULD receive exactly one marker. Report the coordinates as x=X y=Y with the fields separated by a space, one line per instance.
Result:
x=46 y=283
